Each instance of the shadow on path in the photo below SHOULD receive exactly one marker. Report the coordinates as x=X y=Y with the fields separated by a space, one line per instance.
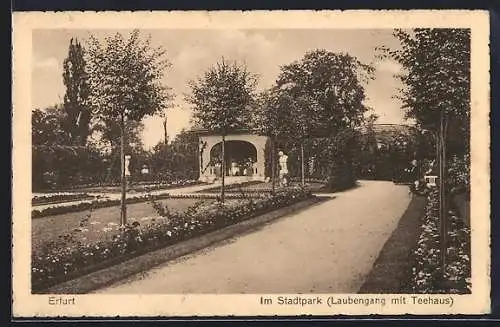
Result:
x=392 y=268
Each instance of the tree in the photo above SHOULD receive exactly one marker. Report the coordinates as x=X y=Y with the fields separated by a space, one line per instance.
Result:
x=221 y=99
x=176 y=160
x=46 y=130
x=272 y=118
x=327 y=98
x=78 y=113
x=110 y=131
x=125 y=79
x=47 y=126
x=333 y=82
x=185 y=148
x=436 y=92
x=436 y=76
x=54 y=155
x=282 y=117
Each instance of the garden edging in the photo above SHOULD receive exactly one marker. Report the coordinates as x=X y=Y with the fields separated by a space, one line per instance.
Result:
x=110 y=275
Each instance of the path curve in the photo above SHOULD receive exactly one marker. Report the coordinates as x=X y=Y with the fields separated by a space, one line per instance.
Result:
x=328 y=248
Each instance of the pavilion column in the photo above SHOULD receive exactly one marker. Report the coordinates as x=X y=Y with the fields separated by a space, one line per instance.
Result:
x=260 y=161
x=260 y=145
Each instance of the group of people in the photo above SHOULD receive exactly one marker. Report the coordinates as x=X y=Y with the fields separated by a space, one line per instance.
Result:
x=242 y=168
x=247 y=167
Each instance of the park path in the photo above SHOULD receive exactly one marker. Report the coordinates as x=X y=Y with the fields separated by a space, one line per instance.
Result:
x=327 y=248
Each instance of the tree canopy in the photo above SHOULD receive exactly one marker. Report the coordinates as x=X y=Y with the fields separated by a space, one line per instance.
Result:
x=436 y=77
x=126 y=77
x=47 y=126
x=178 y=159
x=329 y=85
x=284 y=116
x=222 y=97
x=76 y=106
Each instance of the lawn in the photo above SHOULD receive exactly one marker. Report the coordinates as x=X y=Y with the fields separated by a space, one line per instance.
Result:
x=102 y=223
x=392 y=269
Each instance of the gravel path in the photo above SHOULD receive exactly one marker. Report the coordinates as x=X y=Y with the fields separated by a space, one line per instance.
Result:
x=328 y=248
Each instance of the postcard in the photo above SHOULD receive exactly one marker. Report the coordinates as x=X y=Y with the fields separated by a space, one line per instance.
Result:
x=259 y=163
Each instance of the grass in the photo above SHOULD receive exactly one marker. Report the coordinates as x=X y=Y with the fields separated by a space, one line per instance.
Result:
x=50 y=228
x=392 y=269
x=137 y=264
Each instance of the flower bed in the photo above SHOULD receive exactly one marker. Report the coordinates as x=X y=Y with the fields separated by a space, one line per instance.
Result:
x=60 y=197
x=148 y=186
x=103 y=203
x=70 y=257
x=86 y=205
x=233 y=186
x=217 y=195
x=314 y=185
x=138 y=185
x=427 y=274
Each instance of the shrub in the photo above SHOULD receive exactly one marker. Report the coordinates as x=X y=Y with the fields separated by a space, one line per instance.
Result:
x=427 y=272
x=341 y=177
x=71 y=255
x=459 y=173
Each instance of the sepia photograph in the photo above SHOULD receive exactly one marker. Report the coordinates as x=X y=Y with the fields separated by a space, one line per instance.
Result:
x=250 y=163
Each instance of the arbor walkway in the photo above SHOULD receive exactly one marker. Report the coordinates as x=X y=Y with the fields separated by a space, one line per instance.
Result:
x=327 y=248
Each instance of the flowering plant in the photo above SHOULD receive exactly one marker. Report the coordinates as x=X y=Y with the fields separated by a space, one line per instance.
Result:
x=71 y=255
x=427 y=272
x=459 y=173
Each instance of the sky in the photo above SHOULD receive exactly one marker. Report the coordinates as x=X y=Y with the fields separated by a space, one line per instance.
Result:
x=191 y=52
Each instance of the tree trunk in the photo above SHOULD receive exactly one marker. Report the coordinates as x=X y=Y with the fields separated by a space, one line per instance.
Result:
x=223 y=168
x=302 y=163
x=123 y=205
x=165 y=135
x=273 y=165
x=443 y=205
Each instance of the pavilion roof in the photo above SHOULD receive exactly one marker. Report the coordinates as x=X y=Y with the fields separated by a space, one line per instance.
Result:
x=204 y=131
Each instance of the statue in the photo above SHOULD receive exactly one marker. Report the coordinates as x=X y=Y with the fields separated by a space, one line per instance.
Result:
x=127 y=163
x=283 y=172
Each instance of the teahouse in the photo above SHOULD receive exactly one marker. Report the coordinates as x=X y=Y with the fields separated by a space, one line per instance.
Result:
x=244 y=152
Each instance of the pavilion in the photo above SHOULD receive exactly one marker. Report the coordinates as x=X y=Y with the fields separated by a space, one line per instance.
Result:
x=244 y=151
